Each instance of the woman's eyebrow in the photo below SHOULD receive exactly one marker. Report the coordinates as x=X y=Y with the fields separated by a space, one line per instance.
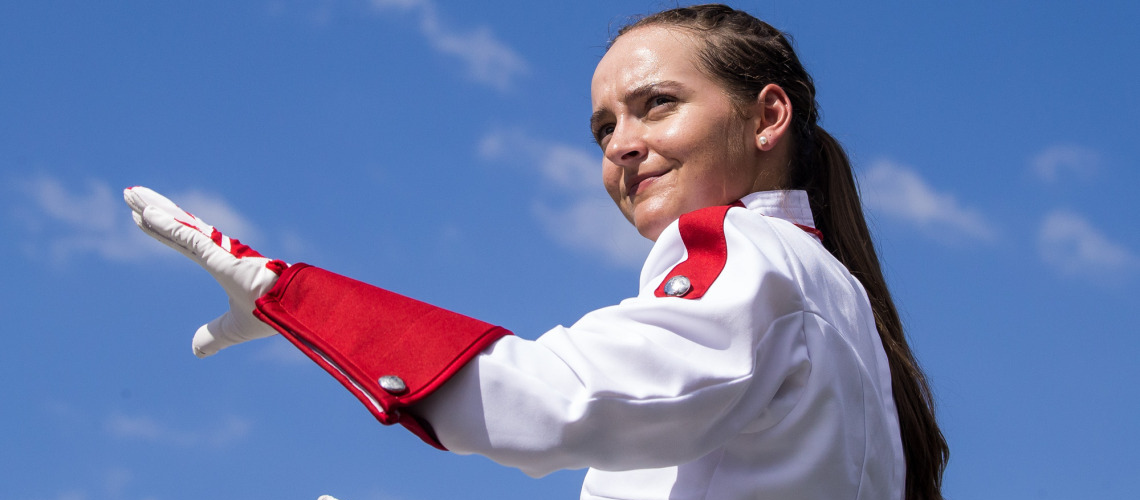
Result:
x=637 y=93
x=596 y=117
x=650 y=88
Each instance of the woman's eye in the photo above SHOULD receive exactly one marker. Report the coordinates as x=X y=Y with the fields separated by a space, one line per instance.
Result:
x=659 y=106
x=660 y=100
x=603 y=132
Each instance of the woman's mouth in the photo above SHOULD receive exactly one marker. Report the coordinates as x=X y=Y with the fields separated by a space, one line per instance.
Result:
x=641 y=182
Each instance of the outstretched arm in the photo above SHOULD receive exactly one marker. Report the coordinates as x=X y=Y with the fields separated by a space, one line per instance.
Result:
x=390 y=351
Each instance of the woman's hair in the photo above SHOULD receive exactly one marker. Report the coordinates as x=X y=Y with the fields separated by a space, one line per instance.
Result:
x=744 y=54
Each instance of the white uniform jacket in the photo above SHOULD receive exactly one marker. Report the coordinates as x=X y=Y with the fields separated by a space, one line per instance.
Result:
x=747 y=367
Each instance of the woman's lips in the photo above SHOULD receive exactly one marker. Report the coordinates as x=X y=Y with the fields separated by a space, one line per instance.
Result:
x=642 y=182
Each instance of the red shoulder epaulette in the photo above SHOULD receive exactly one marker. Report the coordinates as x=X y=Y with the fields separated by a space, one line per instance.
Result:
x=702 y=232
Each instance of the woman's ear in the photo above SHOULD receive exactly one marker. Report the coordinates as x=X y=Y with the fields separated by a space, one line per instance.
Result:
x=772 y=114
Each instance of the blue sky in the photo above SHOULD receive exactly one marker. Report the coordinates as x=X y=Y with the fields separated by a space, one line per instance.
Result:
x=441 y=149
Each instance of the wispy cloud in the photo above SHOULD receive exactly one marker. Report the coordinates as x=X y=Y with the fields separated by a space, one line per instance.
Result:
x=144 y=428
x=1066 y=160
x=488 y=60
x=899 y=192
x=115 y=483
x=277 y=350
x=1070 y=244
x=116 y=480
x=62 y=222
x=586 y=220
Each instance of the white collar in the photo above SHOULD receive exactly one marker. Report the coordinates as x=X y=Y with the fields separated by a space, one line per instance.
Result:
x=792 y=206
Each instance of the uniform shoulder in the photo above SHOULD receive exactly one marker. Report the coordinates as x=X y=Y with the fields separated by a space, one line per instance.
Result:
x=702 y=234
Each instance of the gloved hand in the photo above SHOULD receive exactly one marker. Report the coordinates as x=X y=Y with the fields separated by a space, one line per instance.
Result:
x=243 y=273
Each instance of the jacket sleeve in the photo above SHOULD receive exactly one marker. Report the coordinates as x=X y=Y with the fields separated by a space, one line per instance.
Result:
x=659 y=379
x=390 y=351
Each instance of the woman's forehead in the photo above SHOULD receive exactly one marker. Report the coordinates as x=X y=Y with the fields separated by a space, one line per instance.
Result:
x=642 y=57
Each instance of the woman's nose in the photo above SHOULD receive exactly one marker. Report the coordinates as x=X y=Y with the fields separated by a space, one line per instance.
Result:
x=627 y=145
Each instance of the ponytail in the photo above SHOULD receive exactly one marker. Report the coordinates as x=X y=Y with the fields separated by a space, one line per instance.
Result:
x=838 y=212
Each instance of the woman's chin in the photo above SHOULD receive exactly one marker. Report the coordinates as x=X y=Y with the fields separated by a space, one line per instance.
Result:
x=650 y=227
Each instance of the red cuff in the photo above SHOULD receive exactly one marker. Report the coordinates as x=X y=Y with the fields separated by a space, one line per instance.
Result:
x=360 y=334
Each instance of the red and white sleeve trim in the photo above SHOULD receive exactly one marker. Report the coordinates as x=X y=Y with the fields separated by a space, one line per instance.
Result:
x=360 y=333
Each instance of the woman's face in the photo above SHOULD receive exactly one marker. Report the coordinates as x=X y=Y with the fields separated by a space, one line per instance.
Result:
x=672 y=140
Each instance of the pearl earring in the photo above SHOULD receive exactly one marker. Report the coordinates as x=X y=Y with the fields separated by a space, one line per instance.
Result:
x=763 y=140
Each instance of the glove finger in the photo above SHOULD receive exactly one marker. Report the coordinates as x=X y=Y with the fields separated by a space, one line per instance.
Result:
x=205 y=343
x=193 y=243
x=163 y=236
x=227 y=330
x=140 y=197
x=142 y=224
x=146 y=228
x=136 y=198
x=188 y=240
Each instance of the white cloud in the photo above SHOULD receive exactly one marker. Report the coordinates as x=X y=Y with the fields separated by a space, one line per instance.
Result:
x=568 y=168
x=115 y=484
x=294 y=245
x=594 y=225
x=1070 y=244
x=279 y=351
x=401 y=4
x=116 y=480
x=1065 y=160
x=145 y=428
x=488 y=60
x=91 y=210
x=62 y=223
x=586 y=220
x=899 y=192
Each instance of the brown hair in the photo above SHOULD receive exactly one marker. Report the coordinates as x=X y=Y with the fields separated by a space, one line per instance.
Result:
x=745 y=54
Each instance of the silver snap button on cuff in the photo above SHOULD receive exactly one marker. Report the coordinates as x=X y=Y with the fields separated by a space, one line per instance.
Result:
x=393 y=384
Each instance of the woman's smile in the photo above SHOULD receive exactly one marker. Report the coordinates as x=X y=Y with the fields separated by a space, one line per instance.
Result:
x=641 y=182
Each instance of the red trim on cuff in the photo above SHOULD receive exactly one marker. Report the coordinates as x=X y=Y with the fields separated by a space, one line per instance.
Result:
x=359 y=333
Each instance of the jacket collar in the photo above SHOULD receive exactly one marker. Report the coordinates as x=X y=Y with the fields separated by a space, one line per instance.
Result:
x=791 y=205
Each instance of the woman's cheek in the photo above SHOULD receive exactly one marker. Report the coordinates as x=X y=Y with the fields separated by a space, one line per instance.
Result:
x=678 y=136
x=612 y=180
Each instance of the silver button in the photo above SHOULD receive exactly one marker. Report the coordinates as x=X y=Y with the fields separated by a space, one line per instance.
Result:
x=393 y=384
x=678 y=286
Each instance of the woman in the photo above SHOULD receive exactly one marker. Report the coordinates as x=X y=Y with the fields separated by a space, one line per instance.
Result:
x=762 y=357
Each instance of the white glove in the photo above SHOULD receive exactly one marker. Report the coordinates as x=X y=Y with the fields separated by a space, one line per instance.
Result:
x=243 y=273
